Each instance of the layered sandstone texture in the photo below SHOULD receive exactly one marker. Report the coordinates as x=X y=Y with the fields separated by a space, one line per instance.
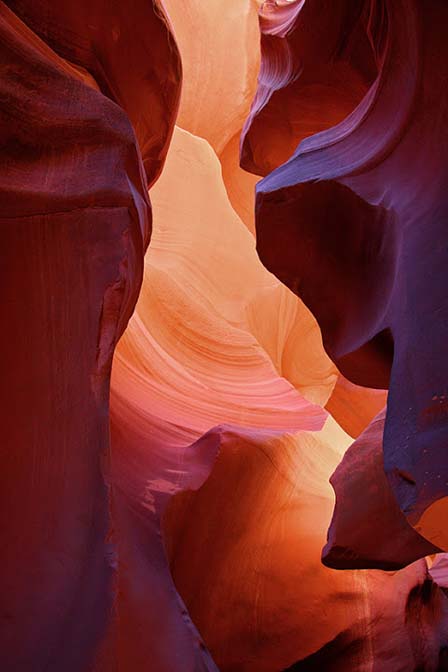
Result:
x=353 y=222
x=89 y=93
x=199 y=469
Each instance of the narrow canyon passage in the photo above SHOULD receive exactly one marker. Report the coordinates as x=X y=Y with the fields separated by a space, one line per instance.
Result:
x=225 y=304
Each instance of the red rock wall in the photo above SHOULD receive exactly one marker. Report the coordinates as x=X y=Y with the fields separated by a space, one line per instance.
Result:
x=182 y=423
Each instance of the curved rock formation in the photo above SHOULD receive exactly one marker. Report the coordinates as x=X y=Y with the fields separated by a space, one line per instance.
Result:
x=245 y=555
x=131 y=55
x=194 y=356
x=200 y=526
x=196 y=393
x=317 y=63
x=201 y=115
x=240 y=185
x=210 y=304
x=368 y=530
x=74 y=223
x=220 y=55
x=374 y=278
x=354 y=406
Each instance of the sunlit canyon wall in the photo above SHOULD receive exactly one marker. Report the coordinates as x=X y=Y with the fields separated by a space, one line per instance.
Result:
x=231 y=492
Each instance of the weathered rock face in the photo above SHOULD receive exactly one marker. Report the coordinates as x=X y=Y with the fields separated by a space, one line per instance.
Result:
x=74 y=224
x=196 y=393
x=191 y=368
x=317 y=63
x=131 y=55
x=200 y=527
x=220 y=65
x=354 y=406
x=374 y=278
x=374 y=533
x=245 y=550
